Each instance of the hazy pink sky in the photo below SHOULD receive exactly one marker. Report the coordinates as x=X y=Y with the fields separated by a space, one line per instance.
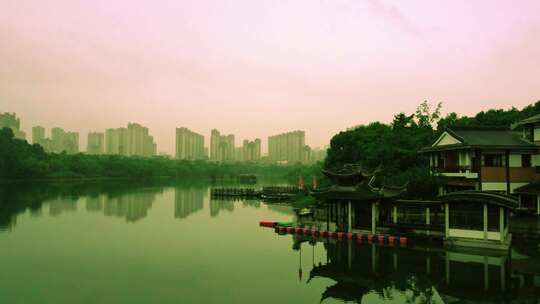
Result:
x=256 y=68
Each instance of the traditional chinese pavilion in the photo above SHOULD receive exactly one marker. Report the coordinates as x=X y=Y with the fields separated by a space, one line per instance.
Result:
x=351 y=201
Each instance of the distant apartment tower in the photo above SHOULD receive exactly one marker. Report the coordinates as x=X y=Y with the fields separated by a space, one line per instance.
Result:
x=251 y=150
x=96 y=143
x=62 y=141
x=38 y=135
x=10 y=120
x=238 y=154
x=221 y=146
x=287 y=147
x=131 y=141
x=189 y=145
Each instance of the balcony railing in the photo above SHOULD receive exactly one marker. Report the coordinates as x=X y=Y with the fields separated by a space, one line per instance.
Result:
x=453 y=169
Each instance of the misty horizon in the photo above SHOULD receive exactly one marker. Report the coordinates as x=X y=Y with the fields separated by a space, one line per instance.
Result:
x=255 y=69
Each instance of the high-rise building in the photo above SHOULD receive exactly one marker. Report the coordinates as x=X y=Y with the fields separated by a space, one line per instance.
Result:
x=287 y=147
x=62 y=141
x=96 y=143
x=238 y=154
x=38 y=135
x=131 y=141
x=10 y=120
x=221 y=146
x=251 y=150
x=189 y=145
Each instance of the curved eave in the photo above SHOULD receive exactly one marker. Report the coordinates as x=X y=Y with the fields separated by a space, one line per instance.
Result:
x=502 y=200
x=335 y=175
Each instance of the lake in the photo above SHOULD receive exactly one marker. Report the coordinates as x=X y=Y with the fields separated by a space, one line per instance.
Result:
x=171 y=243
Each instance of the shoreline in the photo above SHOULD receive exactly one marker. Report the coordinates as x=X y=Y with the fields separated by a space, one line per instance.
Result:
x=79 y=179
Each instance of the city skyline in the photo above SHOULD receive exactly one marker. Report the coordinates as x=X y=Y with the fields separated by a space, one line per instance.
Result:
x=84 y=136
x=136 y=140
x=325 y=67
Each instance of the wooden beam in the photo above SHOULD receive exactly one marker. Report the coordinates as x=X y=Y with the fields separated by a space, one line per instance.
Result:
x=507 y=159
x=485 y=221
x=446 y=220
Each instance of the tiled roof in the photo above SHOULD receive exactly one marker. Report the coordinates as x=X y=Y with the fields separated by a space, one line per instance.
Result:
x=484 y=138
x=528 y=120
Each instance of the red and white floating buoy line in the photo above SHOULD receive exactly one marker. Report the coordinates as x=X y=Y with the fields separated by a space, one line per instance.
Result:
x=383 y=239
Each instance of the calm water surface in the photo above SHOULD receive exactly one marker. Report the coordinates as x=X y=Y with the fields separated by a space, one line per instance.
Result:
x=148 y=243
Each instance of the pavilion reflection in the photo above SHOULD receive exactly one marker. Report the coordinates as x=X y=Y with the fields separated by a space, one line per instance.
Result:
x=283 y=209
x=370 y=273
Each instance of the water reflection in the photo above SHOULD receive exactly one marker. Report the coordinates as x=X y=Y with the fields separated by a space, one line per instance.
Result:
x=129 y=200
x=61 y=205
x=188 y=201
x=369 y=273
x=219 y=205
x=326 y=270
x=132 y=206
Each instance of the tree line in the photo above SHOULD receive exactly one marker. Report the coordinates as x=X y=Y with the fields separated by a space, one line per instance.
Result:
x=21 y=160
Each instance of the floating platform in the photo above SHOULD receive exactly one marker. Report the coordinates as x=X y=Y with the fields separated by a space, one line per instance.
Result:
x=358 y=237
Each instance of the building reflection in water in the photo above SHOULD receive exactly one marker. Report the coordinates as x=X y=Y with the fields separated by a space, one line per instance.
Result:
x=218 y=205
x=188 y=201
x=132 y=206
x=254 y=203
x=61 y=205
x=227 y=204
x=370 y=273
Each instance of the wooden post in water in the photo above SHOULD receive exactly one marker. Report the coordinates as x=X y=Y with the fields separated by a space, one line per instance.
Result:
x=373 y=217
x=446 y=220
x=349 y=213
x=501 y=224
x=428 y=222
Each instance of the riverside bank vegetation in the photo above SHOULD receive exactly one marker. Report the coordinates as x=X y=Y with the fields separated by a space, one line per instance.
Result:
x=392 y=146
x=21 y=160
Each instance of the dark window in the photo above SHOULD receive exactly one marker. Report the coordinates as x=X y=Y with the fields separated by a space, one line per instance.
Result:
x=475 y=164
x=525 y=160
x=436 y=215
x=362 y=216
x=493 y=218
x=493 y=160
x=467 y=216
x=440 y=161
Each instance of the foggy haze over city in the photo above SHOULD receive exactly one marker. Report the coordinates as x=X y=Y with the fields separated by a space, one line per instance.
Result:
x=259 y=68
